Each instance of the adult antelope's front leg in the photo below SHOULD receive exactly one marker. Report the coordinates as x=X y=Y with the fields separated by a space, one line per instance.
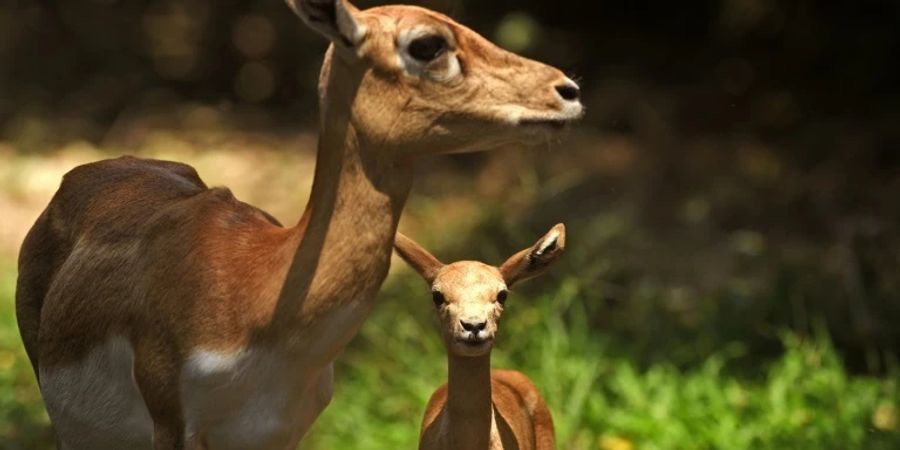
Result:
x=167 y=438
x=316 y=399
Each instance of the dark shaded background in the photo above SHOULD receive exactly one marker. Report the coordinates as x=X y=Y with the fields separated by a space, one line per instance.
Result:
x=750 y=157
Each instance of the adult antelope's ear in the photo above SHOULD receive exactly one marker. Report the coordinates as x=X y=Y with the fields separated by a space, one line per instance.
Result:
x=335 y=19
x=534 y=261
x=420 y=259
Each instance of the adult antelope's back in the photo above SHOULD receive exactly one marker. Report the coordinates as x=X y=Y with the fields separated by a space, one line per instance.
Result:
x=160 y=313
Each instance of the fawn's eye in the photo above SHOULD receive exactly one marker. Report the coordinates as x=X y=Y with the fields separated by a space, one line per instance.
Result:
x=427 y=48
x=501 y=297
x=438 y=298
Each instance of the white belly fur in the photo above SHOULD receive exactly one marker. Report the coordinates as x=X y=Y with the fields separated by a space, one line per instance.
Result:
x=95 y=403
x=253 y=399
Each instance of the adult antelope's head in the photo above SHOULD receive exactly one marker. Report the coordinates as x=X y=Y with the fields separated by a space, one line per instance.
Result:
x=412 y=79
x=470 y=295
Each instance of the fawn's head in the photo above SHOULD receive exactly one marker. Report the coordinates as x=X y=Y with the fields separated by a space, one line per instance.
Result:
x=470 y=295
x=412 y=79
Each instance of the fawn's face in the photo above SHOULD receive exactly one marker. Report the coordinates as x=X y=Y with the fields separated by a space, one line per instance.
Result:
x=415 y=79
x=470 y=295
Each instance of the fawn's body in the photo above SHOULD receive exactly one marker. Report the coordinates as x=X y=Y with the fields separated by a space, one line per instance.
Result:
x=519 y=418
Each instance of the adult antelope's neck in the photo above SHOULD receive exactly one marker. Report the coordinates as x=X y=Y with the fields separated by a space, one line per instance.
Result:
x=469 y=407
x=344 y=240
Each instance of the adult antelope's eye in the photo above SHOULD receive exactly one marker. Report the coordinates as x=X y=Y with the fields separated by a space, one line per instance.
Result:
x=501 y=297
x=427 y=48
x=438 y=298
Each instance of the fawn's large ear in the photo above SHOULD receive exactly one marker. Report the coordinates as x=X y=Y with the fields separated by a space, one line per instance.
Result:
x=420 y=259
x=534 y=261
x=335 y=19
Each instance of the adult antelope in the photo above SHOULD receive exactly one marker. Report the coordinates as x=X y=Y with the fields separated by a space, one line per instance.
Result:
x=479 y=409
x=159 y=313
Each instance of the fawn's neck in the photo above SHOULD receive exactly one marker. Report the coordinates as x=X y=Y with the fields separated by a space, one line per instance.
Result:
x=469 y=406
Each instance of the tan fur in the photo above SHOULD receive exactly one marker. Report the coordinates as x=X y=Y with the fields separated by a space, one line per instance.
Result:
x=142 y=249
x=480 y=409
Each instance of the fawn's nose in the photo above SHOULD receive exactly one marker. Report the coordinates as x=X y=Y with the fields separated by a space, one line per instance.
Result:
x=569 y=91
x=473 y=326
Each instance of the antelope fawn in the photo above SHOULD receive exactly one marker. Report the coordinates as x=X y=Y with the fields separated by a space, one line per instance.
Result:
x=480 y=409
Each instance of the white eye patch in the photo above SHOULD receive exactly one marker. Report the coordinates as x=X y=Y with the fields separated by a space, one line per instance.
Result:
x=443 y=68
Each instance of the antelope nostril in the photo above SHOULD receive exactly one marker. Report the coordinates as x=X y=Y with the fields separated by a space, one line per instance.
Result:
x=473 y=326
x=568 y=92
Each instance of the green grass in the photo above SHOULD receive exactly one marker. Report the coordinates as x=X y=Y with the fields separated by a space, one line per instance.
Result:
x=600 y=397
x=23 y=421
x=804 y=399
